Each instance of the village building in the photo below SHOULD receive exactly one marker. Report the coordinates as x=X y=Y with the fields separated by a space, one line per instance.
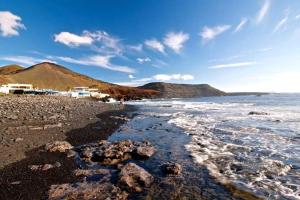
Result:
x=15 y=88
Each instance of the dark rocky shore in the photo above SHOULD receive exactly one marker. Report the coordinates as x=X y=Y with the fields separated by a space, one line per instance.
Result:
x=28 y=123
x=57 y=148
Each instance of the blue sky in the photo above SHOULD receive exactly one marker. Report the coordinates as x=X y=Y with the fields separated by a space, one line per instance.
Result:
x=234 y=45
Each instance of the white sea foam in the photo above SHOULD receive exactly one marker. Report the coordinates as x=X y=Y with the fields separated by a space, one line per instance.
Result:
x=260 y=153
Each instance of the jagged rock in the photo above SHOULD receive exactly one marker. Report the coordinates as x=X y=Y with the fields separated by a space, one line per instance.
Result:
x=133 y=178
x=71 y=154
x=257 y=113
x=114 y=153
x=58 y=146
x=91 y=172
x=172 y=168
x=49 y=126
x=86 y=191
x=145 y=151
x=44 y=167
x=19 y=139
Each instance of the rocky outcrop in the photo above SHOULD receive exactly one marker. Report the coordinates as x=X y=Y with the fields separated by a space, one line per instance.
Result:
x=107 y=153
x=44 y=167
x=171 y=168
x=86 y=191
x=133 y=178
x=58 y=146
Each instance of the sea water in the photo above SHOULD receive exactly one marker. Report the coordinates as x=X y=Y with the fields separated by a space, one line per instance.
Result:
x=256 y=153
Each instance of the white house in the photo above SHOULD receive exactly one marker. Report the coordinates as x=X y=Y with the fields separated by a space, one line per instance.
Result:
x=87 y=92
x=16 y=87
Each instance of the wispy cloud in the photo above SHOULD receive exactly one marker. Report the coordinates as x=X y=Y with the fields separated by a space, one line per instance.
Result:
x=241 y=25
x=263 y=11
x=105 y=43
x=280 y=24
x=99 y=41
x=298 y=16
x=143 y=60
x=98 y=61
x=10 y=24
x=209 y=33
x=72 y=40
x=159 y=63
x=169 y=77
x=137 y=48
x=158 y=77
x=24 y=60
x=232 y=65
x=131 y=76
x=175 y=41
x=155 y=45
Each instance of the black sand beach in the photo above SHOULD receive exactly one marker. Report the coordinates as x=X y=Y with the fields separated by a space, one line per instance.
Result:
x=30 y=122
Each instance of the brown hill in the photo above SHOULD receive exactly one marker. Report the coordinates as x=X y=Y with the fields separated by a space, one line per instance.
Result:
x=10 y=69
x=171 y=90
x=49 y=75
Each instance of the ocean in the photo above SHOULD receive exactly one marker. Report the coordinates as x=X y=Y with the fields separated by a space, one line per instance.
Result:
x=258 y=153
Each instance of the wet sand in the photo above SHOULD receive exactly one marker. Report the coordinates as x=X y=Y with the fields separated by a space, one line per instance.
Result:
x=27 y=123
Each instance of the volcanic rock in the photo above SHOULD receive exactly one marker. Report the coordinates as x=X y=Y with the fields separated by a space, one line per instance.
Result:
x=172 y=168
x=133 y=178
x=58 y=146
x=86 y=191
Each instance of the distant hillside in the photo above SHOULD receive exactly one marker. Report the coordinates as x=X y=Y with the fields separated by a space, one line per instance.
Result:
x=10 y=69
x=171 y=90
x=49 y=75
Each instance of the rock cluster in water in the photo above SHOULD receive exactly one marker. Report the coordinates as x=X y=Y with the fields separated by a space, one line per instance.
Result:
x=130 y=176
x=107 y=153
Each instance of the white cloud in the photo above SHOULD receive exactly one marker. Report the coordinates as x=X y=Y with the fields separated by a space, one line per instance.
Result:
x=131 y=76
x=26 y=60
x=159 y=63
x=175 y=41
x=143 y=60
x=99 y=41
x=105 y=43
x=155 y=45
x=73 y=40
x=169 y=77
x=10 y=24
x=158 y=77
x=137 y=48
x=241 y=25
x=232 y=65
x=98 y=61
x=280 y=24
x=209 y=33
x=298 y=16
x=187 y=77
x=263 y=11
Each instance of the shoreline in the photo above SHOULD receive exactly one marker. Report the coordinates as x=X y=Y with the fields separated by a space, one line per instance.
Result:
x=17 y=180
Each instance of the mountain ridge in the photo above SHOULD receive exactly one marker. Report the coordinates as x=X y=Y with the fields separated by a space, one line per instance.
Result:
x=174 y=90
x=48 y=75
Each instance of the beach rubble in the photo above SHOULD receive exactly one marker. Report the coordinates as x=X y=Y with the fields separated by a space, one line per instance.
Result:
x=172 y=168
x=86 y=191
x=133 y=178
x=107 y=153
x=58 y=146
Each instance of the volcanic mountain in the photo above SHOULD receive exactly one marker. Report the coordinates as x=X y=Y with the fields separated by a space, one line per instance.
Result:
x=49 y=75
x=172 y=90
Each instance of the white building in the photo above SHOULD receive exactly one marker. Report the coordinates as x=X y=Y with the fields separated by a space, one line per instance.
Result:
x=16 y=87
x=87 y=92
